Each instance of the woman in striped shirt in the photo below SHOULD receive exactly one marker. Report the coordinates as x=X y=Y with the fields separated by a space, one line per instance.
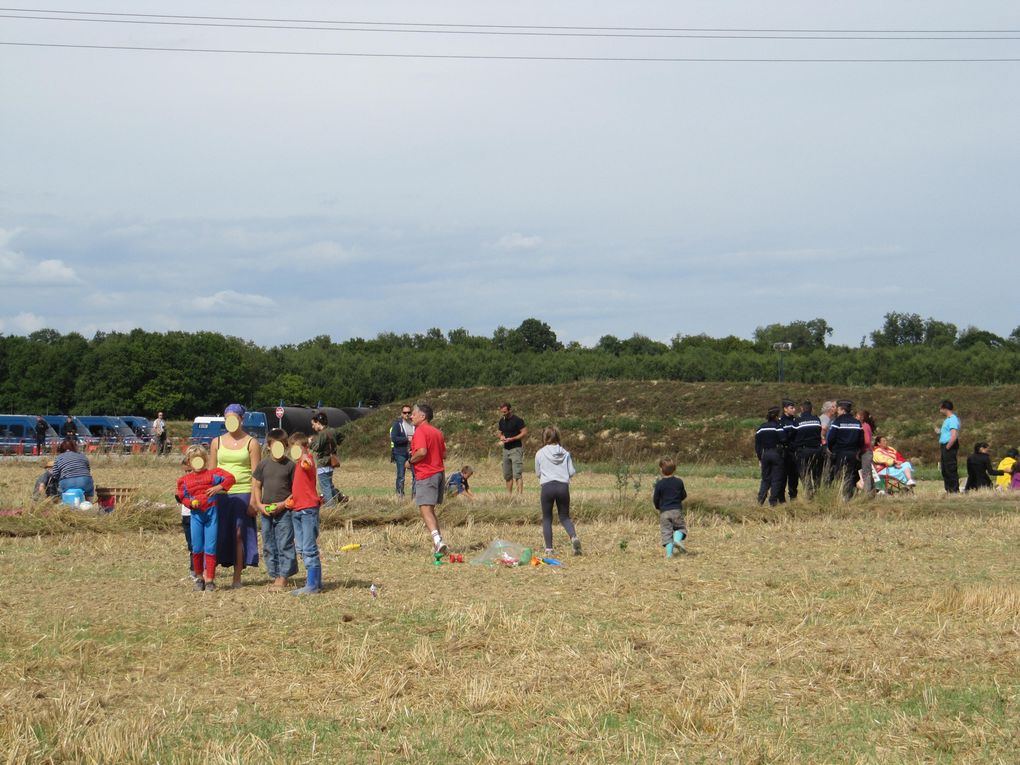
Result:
x=71 y=469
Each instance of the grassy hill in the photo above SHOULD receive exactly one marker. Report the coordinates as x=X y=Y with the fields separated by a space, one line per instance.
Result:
x=698 y=422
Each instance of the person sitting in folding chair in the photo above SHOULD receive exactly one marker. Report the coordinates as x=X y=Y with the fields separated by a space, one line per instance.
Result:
x=891 y=468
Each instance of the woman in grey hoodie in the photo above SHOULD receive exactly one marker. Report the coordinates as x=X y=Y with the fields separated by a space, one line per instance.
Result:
x=554 y=467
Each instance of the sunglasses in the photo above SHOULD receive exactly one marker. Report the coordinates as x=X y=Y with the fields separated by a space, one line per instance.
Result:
x=408 y=412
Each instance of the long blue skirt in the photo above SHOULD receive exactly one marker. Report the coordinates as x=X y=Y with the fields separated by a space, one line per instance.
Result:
x=232 y=512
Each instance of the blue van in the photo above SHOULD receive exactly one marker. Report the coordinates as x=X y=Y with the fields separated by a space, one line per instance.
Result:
x=59 y=423
x=112 y=432
x=140 y=425
x=17 y=434
x=205 y=429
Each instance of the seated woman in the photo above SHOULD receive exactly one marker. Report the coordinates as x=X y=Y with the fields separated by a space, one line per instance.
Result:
x=979 y=468
x=71 y=469
x=1005 y=468
x=890 y=462
x=1014 y=482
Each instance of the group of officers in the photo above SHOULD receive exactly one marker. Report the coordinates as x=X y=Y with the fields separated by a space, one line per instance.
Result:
x=794 y=448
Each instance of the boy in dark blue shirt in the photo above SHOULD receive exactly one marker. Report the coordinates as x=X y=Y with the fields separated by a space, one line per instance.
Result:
x=458 y=483
x=668 y=498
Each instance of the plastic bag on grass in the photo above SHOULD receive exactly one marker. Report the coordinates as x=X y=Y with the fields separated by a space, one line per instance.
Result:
x=503 y=553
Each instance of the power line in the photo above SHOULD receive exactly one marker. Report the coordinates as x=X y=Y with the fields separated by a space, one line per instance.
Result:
x=471 y=57
x=517 y=26
x=150 y=20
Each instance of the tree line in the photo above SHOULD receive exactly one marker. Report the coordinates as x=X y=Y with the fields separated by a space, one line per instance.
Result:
x=190 y=373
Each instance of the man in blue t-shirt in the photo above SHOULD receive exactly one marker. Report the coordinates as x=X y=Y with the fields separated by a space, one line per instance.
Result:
x=949 y=445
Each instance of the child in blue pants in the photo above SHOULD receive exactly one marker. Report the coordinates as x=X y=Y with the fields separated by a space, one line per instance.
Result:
x=306 y=500
x=196 y=490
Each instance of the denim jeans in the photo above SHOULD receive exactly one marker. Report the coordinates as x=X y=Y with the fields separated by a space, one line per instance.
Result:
x=306 y=535
x=326 y=488
x=278 y=545
x=85 y=483
x=401 y=462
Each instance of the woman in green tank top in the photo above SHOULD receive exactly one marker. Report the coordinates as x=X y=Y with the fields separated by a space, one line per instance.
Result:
x=237 y=453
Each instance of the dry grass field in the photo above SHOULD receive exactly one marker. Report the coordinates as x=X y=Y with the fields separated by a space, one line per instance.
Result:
x=878 y=631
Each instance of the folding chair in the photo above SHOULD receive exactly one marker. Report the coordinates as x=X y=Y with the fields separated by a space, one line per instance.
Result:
x=888 y=484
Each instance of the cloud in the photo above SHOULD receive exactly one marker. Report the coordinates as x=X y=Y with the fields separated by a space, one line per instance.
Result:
x=517 y=241
x=18 y=270
x=318 y=255
x=229 y=302
x=22 y=324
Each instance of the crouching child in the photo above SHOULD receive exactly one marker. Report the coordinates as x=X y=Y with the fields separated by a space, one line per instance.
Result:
x=668 y=498
x=458 y=484
x=271 y=485
x=195 y=490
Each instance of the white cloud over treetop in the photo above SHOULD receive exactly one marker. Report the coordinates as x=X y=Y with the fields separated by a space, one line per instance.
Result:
x=22 y=324
x=16 y=269
x=228 y=302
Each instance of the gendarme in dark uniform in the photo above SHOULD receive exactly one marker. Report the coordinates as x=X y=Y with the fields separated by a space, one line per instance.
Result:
x=808 y=449
x=768 y=445
x=845 y=440
x=789 y=423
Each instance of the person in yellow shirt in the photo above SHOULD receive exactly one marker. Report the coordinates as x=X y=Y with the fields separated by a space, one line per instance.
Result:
x=1006 y=466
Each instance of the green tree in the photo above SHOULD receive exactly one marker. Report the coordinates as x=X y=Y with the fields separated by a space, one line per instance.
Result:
x=609 y=344
x=287 y=387
x=639 y=345
x=973 y=336
x=801 y=334
x=899 y=329
x=538 y=336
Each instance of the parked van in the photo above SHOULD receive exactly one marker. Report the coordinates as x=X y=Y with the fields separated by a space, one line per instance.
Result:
x=59 y=424
x=17 y=434
x=140 y=425
x=205 y=429
x=113 y=432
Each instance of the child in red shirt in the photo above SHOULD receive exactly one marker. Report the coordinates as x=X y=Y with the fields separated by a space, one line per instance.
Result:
x=196 y=490
x=305 y=495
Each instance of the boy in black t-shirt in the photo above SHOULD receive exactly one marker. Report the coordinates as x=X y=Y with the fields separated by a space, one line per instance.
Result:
x=668 y=498
x=272 y=482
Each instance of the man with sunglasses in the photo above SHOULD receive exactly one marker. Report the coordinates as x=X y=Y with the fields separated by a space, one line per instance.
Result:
x=400 y=447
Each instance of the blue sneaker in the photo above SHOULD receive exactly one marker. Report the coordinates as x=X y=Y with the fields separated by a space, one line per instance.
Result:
x=678 y=540
x=669 y=550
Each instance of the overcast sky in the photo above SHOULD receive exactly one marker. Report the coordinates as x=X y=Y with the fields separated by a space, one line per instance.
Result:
x=280 y=197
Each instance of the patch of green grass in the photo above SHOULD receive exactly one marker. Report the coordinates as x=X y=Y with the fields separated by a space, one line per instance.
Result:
x=622 y=424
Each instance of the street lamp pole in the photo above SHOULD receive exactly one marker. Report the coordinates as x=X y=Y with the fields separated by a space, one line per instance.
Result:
x=781 y=348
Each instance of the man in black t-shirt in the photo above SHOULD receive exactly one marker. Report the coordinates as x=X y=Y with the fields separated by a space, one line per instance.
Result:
x=512 y=431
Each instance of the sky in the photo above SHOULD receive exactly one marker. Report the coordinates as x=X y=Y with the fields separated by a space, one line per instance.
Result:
x=282 y=197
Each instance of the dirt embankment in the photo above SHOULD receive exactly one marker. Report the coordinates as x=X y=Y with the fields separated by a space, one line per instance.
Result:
x=697 y=422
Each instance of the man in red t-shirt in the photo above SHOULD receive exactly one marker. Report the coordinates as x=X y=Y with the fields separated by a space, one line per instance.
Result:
x=428 y=449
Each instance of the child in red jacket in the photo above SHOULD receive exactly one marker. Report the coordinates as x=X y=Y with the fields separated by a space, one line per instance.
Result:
x=196 y=490
x=306 y=513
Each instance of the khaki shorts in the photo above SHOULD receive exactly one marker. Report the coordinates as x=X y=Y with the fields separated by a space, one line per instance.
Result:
x=429 y=491
x=513 y=463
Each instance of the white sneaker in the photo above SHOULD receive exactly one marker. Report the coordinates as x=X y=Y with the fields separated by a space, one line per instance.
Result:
x=911 y=483
x=441 y=547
